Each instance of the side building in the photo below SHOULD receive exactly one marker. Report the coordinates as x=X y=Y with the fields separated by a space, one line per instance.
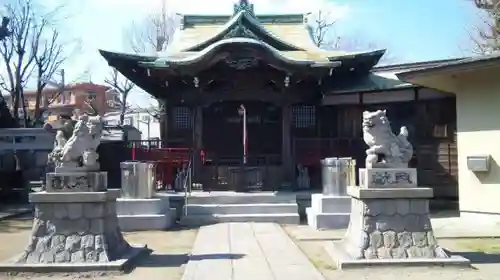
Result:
x=54 y=103
x=142 y=119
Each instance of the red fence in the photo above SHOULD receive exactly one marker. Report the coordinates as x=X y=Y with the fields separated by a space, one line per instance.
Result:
x=168 y=161
x=309 y=151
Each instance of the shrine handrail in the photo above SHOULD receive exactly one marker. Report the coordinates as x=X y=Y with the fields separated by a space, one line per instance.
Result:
x=187 y=187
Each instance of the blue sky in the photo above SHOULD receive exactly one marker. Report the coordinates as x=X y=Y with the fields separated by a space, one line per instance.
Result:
x=411 y=30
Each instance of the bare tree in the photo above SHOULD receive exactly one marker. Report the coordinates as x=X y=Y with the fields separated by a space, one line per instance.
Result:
x=48 y=59
x=23 y=51
x=123 y=86
x=321 y=27
x=16 y=52
x=486 y=35
x=152 y=34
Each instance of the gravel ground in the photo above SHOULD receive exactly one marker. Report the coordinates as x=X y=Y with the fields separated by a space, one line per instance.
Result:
x=170 y=249
x=483 y=253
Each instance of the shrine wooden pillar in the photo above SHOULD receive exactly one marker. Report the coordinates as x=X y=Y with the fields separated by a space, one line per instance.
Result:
x=164 y=121
x=197 y=143
x=286 y=144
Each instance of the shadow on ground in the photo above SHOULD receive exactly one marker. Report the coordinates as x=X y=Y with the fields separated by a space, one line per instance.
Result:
x=478 y=257
x=176 y=260
x=17 y=224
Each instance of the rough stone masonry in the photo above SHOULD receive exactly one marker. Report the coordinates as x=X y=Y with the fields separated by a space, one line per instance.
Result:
x=75 y=233
x=75 y=227
x=391 y=228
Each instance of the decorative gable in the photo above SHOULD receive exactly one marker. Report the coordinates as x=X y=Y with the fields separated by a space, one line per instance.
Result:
x=243 y=5
x=240 y=31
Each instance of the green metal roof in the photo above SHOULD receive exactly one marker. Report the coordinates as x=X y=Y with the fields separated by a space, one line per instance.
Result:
x=245 y=24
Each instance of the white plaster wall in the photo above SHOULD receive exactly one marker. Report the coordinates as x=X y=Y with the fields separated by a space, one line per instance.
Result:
x=139 y=121
x=478 y=133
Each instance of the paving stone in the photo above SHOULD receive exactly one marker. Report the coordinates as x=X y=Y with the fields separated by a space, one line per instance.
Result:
x=247 y=251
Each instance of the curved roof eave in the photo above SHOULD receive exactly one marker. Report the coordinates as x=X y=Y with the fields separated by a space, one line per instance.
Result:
x=112 y=57
x=234 y=21
x=369 y=59
x=214 y=48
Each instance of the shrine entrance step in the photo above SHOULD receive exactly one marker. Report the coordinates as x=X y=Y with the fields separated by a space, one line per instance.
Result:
x=217 y=207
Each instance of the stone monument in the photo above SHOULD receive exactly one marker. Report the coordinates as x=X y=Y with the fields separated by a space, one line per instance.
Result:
x=75 y=228
x=332 y=208
x=390 y=222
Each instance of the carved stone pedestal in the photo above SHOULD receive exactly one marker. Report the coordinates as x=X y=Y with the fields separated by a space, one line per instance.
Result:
x=75 y=228
x=390 y=226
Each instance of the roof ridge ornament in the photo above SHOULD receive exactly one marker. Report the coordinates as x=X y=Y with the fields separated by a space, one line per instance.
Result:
x=243 y=5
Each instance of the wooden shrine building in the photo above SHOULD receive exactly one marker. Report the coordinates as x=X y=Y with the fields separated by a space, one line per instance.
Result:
x=302 y=103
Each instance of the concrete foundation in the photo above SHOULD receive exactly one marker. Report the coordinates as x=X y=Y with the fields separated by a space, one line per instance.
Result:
x=329 y=212
x=390 y=226
x=220 y=207
x=144 y=214
x=74 y=228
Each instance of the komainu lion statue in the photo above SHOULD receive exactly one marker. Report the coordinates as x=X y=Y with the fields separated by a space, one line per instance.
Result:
x=78 y=151
x=386 y=150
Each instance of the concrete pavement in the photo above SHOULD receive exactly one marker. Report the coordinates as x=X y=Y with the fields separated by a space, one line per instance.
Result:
x=245 y=251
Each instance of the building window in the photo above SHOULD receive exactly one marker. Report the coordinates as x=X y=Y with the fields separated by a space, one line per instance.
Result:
x=128 y=121
x=303 y=116
x=182 y=118
x=91 y=96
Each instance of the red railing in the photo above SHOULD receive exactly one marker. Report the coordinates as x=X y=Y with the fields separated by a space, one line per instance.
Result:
x=309 y=151
x=168 y=161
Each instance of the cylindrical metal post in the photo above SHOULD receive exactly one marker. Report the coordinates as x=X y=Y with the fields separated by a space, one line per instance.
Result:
x=337 y=175
x=138 y=179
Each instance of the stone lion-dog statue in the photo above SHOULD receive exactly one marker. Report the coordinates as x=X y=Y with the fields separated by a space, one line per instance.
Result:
x=386 y=150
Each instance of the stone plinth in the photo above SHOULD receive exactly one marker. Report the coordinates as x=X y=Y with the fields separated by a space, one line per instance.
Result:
x=329 y=211
x=144 y=214
x=387 y=177
x=390 y=226
x=75 y=228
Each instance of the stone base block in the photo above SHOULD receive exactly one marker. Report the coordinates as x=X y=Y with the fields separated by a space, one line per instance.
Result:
x=144 y=214
x=75 y=229
x=388 y=177
x=321 y=203
x=76 y=181
x=131 y=206
x=344 y=261
x=390 y=226
x=320 y=221
x=146 y=221
x=121 y=264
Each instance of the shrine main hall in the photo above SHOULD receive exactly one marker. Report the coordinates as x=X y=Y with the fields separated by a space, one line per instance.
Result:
x=261 y=78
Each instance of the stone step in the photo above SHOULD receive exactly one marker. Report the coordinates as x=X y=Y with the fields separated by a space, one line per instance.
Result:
x=196 y=220
x=146 y=222
x=319 y=221
x=255 y=208
x=132 y=206
x=240 y=198
x=330 y=204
